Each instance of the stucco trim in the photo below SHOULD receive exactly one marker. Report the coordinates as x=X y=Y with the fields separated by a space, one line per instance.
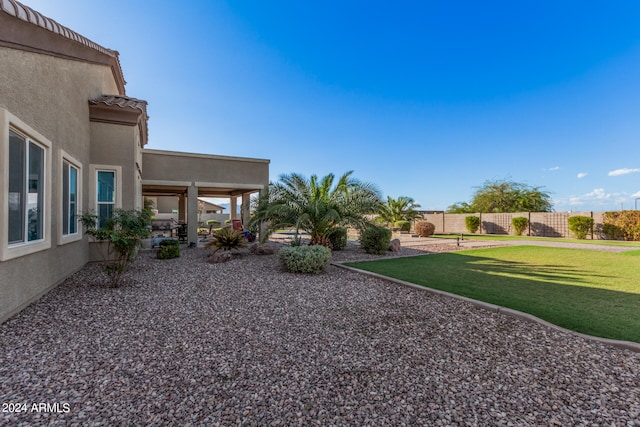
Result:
x=7 y=252
x=93 y=174
x=203 y=156
x=233 y=185
x=166 y=183
x=68 y=238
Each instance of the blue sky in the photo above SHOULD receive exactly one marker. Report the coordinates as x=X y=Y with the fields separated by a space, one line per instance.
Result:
x=427 y=99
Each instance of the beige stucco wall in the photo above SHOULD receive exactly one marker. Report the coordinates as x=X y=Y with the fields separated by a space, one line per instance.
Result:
x=51 y=96
x=180 y=167
x=117 y=145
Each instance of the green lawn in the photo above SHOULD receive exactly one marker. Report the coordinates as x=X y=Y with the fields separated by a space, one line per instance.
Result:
x=592 y=292
x=543 y=239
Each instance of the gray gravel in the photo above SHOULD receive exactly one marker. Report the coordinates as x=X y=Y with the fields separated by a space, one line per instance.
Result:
x=187 y=342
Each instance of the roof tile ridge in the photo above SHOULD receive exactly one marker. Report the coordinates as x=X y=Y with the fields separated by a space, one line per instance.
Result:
x=27 y=14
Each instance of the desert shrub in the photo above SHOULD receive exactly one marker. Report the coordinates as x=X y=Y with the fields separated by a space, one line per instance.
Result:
x=621 y=225
x=580 y=226
x=305 y=259
x=472 y=223
x=519 y=224
x=227 y=239
x=425 y=228
x=338 y=238
x=612 y=232
x=403 y=225
x=375 y=239
x=169 y=249
x=123 y=233
x=296 y=241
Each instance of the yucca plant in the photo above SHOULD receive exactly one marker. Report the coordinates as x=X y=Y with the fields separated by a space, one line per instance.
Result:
x=227 y=239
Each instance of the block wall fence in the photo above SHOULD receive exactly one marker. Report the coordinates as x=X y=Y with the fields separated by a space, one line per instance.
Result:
x=541 y=224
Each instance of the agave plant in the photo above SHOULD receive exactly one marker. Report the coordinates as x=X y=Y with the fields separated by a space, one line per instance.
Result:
x=227 y=239
x=314 y=205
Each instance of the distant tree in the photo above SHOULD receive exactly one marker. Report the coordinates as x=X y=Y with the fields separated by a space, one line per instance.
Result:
x=505 y=196
x=401 y=209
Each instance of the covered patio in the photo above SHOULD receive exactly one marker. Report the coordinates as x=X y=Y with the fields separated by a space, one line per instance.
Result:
x=192 y=175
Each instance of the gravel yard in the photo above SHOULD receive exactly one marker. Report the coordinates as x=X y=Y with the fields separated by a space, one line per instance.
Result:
x=187 y=342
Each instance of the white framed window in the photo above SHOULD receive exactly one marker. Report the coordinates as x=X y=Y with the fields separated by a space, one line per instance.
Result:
x=25 y=188
x=71 y=202
x=107 y=191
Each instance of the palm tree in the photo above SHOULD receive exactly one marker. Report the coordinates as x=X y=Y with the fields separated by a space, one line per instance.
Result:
x=314 y=205
x=401 y=209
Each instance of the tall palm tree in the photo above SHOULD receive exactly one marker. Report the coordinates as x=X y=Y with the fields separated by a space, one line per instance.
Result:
x=401 y=209
x=314 y=205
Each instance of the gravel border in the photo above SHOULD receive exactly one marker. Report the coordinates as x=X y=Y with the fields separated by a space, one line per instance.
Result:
x=187 y=342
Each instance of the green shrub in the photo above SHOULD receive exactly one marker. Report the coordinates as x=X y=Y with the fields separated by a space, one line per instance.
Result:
x=375 y=239
x=622 y=225
x=425 y=228
x=338 y=238
x=519 y=224
x=472 y=223
x=123 y=233
x=169 y=249
x=612 y=232
x=580 y=226
x=305 y=259
x=227 y=239
x=403 y=225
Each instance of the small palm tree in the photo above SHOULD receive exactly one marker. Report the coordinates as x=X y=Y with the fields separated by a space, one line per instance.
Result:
x=314 y=205
x=401 y=209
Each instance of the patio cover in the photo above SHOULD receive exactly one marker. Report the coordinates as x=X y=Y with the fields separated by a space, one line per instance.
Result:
x=193 y=175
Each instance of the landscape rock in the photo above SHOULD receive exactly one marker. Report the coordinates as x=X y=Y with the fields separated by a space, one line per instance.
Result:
x=394 y=245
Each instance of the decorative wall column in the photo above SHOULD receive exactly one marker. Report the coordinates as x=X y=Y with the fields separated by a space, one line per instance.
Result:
x=192 y=214
x=233 y=207
x=182 y=208
x=245 y=209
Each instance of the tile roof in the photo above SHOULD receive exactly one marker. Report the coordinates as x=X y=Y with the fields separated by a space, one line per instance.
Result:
x=24 y=13
x=27 y=14
x=127 y=102
x=121 y=101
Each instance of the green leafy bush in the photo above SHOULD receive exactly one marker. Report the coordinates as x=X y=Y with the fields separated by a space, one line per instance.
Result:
x=227 y=239
x=622 y=225
x=338 y=238
x=580 y=226
x=305 y=259
x=472 y=223
x=123 y=233
x=403 y=225
x=612 y=232
x=425 y=228
x=169 y=249
x=375 y=239
x=519 y=224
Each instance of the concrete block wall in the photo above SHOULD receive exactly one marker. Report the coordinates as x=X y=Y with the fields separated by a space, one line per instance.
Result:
x=541 y=224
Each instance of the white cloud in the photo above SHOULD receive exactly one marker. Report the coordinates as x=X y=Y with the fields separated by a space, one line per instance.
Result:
x=597 y=195
x=555 y=168
x=636 y=194
x=582 y=175
x=623 y=171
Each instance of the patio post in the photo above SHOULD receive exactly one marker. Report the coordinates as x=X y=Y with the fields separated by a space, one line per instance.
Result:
x=192 y=214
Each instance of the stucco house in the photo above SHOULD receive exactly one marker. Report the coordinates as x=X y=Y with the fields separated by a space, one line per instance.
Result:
x=72 y=140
